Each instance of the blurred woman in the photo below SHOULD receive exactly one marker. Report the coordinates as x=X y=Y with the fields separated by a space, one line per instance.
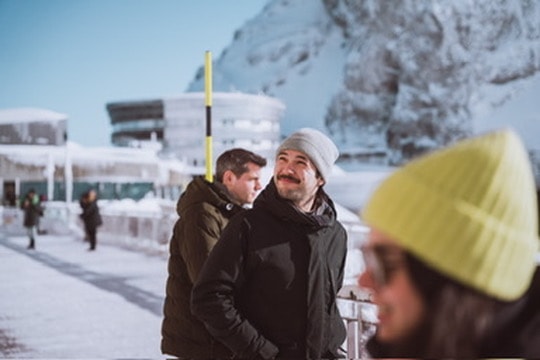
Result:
x=450 y=257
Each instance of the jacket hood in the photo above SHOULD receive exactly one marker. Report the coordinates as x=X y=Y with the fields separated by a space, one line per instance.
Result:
x=325 y=214
x=201 y=191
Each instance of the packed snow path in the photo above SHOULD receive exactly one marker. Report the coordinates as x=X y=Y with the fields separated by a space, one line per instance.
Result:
x=62 y=301
x=112 y=283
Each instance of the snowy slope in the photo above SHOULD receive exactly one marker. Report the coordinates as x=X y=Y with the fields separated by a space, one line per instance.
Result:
x=403 y=76
x=278 y=53
x=521 y=112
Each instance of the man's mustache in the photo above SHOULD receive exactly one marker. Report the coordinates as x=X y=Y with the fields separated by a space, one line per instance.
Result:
x=288 y=177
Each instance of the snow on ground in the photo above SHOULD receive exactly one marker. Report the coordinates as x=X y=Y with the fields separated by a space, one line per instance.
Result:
x=62 y=301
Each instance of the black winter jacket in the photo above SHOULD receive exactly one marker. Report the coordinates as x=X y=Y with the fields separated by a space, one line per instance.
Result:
x=204 y=210
x=32 y=210
x=90 y=215
x=269 y=286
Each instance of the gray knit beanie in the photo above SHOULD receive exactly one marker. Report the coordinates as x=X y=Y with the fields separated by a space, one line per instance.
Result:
x=316 y=145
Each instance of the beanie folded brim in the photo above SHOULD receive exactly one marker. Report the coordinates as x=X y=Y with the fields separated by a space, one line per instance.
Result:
x=460 y=226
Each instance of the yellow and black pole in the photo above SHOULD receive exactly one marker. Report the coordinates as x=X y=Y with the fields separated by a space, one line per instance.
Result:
x=208 y=105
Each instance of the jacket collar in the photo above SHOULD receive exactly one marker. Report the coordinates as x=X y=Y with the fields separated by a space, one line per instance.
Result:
x=323 y=215
x=201 y=191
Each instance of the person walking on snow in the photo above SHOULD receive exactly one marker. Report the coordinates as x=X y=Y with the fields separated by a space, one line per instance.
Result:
x=268 y=289
x=204 y=210
x=32 y=211
x=91 y=217
x=450 y=257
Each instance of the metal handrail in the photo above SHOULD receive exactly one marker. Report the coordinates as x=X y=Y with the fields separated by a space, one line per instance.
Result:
x=359 y=317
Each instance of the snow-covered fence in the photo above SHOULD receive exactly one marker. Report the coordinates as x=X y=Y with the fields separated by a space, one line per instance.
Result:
x=141 y=225
x=147 y=232
x=144 y=225
x=11 y=220
x=54 y=221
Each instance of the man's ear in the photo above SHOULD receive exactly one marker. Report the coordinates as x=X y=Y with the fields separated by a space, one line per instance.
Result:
x=228 y=177
x=320 y=180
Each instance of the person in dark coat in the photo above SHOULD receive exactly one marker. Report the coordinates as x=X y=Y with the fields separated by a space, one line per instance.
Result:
x=32 y=211
x=91 y=217
x=204 y=210
x=269 y=287
x=452 y=254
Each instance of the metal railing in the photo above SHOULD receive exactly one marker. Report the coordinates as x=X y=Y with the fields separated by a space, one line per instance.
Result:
x=358 y=316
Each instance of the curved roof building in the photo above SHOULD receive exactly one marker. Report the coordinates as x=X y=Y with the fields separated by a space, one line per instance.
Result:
x=238 y=120
x=179 y=124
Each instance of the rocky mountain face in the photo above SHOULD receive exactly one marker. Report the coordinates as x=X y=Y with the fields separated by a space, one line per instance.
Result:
x=386 y=79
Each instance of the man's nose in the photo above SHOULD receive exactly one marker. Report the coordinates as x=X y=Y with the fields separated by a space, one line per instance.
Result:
x=289 y=168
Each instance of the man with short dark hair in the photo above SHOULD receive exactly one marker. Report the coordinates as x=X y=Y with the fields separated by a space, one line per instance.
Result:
x=204 y=209
x=269 y=287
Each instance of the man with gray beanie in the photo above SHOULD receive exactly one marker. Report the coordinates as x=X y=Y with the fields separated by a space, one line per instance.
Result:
x=268 y=289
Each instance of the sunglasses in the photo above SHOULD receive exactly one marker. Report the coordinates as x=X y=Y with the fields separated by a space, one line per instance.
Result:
x=383 y=261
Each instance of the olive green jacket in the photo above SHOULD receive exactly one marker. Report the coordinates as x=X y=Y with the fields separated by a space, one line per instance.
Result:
x=204 y=210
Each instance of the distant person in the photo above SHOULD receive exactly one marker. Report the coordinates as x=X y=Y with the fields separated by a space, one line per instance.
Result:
x=268 y=289
x=32 y=211
x=204 y=209
x=450 y=258
x=91 y=217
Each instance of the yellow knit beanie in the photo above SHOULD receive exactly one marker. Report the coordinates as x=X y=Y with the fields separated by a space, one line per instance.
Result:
x=469 y=211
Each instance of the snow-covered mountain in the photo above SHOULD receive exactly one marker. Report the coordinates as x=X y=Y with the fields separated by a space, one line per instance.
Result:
x=383 y=76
